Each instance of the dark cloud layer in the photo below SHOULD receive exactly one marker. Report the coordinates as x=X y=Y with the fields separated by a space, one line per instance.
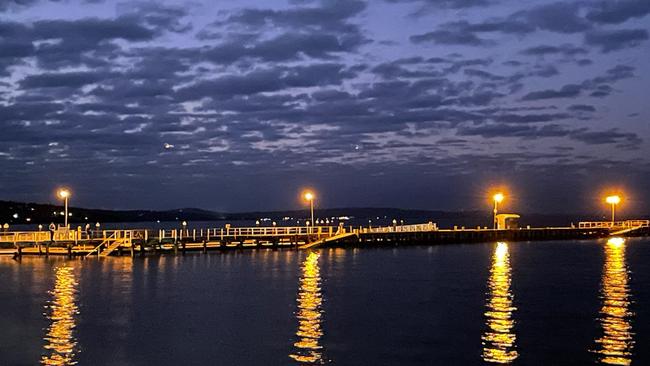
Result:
x=246 y=105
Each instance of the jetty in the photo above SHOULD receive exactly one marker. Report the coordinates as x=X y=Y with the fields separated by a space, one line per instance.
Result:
x=140 y=242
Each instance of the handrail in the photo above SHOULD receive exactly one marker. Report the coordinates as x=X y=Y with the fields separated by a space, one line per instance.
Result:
x=246 y=231
x=106 y=240
x=610 y=224
x=430 y=226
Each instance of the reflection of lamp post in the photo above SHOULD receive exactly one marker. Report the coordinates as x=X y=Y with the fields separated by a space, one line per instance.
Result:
x=613 y=200
x=64 y=194
x=498 y=198
x=310 y=197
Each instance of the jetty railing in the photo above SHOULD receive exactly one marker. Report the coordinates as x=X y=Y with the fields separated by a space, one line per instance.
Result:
x=430 y=226
x=24 y=236
x=227 y=232
x=617 y=224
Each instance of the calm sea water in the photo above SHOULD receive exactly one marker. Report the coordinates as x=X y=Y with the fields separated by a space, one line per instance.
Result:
x=537 y=303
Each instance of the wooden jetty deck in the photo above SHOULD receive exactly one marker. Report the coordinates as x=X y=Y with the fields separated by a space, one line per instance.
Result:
x=140 y=242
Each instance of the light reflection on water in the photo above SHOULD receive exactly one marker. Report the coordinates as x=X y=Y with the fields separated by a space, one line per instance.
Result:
x=61 y=345
x=615 y=345
x=307 y=348
x=499 y=338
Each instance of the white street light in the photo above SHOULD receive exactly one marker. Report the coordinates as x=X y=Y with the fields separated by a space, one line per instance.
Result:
x=65 y=194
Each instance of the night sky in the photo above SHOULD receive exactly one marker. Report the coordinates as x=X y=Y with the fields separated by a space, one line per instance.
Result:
x=238 y=105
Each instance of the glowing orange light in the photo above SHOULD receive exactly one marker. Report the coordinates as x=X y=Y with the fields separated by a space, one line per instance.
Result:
x=613 y=200
x=309 y=196
x=63 y=193
x=498 y=197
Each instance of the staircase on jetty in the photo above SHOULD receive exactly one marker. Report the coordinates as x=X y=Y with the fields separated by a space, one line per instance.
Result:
x=335 y=238
x=110 y=243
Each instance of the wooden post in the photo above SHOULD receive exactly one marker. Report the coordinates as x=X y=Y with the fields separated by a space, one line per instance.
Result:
x=205 y=246
x=70 y=250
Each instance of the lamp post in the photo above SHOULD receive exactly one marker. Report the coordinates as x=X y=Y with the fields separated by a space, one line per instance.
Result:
x=309 y=196
x=64 y=194
x=498 y=198
x=613 y=200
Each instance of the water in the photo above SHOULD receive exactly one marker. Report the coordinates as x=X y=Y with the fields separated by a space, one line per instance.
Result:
x=538 y=303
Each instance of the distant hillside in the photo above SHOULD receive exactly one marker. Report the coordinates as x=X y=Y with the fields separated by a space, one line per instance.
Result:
x=19 y=213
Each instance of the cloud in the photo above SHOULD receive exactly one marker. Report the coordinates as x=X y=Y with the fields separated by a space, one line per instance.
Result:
x=566 y=50
x=266 y=80
x=599 y=86
x=614 y=40
x=64 y=79
x=288 y=46
x=567 y=91
x=451 y=4
x=332 y=15
x=12 y=4
x=581 y=108
x=612 y=136
x=450 y=37
x=585 y=135
x=618 y=11
x=560 y=17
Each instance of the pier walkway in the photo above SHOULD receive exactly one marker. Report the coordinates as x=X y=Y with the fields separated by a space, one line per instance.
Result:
x=141 y=241
x=110 y=242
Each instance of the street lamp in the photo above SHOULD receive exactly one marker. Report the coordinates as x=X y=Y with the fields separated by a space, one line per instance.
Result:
x=64 y=194
x=498 y=198
x=309 y=196
x=613 y=200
